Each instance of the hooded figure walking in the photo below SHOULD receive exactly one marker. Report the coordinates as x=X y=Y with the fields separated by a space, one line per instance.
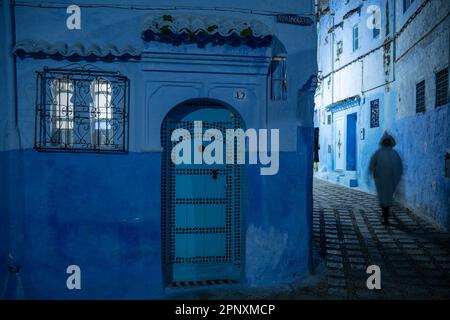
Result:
x=387 y=169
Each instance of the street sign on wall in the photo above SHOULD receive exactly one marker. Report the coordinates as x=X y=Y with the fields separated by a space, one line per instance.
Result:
x=295 y=19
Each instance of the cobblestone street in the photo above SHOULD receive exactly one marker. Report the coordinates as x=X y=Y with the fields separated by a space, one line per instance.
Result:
x=414 y=257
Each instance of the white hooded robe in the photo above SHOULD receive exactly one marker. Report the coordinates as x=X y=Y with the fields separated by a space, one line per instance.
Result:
x=387 y=169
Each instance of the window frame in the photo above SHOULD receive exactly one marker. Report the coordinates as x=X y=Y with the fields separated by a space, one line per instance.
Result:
x=374 y=103
x=422 y=99
x=63 y=114
x=102 y=114
x=438 y=93
x=83 y=115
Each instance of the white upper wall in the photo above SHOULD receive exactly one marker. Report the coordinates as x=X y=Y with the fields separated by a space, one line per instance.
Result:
x=367 y=41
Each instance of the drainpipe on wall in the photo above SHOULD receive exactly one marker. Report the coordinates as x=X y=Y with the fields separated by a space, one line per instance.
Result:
x=393 y=97
x=394 y=40
x=11 y=135
x=362 y=80
x=15 y=169
x=332 y=60
x=268 y=86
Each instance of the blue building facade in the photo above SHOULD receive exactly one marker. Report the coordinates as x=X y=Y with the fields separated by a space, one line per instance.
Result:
x=383 y=66
x=87 y=177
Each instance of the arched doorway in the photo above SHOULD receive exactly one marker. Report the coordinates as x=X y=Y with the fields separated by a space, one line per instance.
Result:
x=202 y=216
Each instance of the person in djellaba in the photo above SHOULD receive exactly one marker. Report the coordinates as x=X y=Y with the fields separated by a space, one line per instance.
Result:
x=387 y=168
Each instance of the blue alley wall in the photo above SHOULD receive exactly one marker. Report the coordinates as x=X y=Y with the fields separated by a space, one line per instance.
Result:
x=389 y=73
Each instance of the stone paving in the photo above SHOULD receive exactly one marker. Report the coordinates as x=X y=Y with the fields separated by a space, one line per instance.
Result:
x=413 y=255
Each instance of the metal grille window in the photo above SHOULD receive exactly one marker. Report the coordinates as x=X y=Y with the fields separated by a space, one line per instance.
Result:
x=420 y=96
x=81 y=110
x=374 y=113
x=102 y=113
x=442 y=87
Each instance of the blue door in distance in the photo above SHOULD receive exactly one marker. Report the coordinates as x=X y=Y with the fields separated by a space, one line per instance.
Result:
x=351 y=141
x=201 y=203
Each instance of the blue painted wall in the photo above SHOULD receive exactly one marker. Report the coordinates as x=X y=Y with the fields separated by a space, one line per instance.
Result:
x=103 y=212
x=425 y=188
x=95 y=211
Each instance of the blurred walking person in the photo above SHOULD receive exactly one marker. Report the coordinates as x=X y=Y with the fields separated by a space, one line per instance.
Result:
x=387 y=169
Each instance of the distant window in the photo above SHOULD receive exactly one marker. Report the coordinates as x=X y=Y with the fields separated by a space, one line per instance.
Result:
x=375 y=32
x=375 y=113
x=407 y=4
x=329 y=119
x=420 y=97
x=278 y=79
x=355 y=37
x=339 y=49
x=442 y=87
x=81 y=110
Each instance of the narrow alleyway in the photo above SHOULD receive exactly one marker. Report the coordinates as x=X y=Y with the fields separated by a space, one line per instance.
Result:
x=414 y=257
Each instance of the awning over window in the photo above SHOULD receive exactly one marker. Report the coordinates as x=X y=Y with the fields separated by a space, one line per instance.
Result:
x=188 y=28
x=63 y=50
x=344 y=104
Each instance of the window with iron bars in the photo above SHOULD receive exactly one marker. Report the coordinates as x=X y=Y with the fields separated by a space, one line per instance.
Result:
x=442 y=87
x=375 y=113
x=81 y=110
x=420 y=96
